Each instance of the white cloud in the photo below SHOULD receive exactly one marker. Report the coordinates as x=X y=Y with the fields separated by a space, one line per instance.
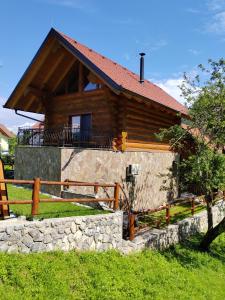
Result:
x=217 y=24
x=171 y=86
x=215 y=5
x=194 y=51
x=13 y=121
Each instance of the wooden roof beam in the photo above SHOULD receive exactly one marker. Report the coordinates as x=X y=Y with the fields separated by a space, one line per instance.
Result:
x=63 y=74
x=53 y=69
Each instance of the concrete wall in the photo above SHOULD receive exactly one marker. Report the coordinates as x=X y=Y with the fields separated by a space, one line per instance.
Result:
x=100 y=232
x=54 y=163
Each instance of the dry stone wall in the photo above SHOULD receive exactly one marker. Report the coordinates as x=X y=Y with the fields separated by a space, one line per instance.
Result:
x=99 y=232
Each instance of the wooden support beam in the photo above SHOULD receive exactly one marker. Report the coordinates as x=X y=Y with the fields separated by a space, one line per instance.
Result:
x=53 y=68
x=35 y=91
x=63 y=74
x=80 y=78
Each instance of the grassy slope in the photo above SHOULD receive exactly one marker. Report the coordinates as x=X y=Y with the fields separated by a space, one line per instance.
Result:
x=179 y=273
x=47 y=210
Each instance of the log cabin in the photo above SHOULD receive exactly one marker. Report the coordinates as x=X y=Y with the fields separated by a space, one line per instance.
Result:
x=99 y=118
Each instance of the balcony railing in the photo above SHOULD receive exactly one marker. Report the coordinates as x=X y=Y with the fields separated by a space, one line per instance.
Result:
x=64 y=137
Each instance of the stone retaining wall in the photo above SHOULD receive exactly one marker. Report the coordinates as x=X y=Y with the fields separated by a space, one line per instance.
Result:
x=100 y=232
x=104 y=166
x=159 y=239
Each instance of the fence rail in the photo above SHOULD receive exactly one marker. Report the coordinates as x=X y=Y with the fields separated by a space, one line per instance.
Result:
x=167 y=208
x=36 y=188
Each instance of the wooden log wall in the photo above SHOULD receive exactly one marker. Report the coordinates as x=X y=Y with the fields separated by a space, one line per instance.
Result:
x=61 y=108
x=142 y=121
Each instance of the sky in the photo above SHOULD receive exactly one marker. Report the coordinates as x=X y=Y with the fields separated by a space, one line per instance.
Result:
x=175 y=35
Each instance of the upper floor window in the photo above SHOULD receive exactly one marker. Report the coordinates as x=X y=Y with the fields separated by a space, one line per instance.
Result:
x=91 y=86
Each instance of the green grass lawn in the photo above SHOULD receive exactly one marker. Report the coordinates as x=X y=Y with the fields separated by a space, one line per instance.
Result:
x=179 y=273
x=46 y=210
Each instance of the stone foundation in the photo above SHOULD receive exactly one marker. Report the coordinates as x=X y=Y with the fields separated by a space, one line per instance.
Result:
x=53 y=163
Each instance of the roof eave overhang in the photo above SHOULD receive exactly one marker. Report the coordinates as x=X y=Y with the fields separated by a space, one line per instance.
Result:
x=148 y=100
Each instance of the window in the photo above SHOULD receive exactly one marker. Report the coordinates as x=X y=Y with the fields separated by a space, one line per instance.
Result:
x=81 y=126
x=91 y=86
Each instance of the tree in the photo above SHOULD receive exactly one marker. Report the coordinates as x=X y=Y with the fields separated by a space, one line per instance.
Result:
x=203 y=164
x=12 y=145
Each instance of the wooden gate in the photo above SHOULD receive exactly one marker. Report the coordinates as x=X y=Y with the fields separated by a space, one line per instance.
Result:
x=4 y=209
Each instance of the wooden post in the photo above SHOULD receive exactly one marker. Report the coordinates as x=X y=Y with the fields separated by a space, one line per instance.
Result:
x=96 y=188
x=167 y=214
x=35 y=197
x=4 y=209
x=81 y=78
x=116 y=196
x=131 y=226
x=192 y=205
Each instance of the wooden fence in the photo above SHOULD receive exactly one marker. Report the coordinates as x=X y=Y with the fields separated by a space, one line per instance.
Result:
x=192 y=207
x=36 y=187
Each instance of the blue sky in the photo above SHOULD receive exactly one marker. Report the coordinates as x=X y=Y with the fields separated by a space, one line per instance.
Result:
x=176 y=36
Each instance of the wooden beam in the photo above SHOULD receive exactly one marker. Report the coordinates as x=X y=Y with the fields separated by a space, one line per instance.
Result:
x=53 y=68
x=148 y=146
x=94 y=79
x=63 y=74
x=35 y=91
x=81 y=78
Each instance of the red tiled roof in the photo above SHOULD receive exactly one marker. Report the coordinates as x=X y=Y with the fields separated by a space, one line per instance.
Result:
x=125 y=79
x=4 y=131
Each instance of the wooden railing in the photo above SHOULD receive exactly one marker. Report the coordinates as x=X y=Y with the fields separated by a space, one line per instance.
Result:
x=36 y=188
x=193 y=206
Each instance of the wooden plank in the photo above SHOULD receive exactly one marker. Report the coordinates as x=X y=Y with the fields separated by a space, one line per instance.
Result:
x=4 y=209
x=150 y=146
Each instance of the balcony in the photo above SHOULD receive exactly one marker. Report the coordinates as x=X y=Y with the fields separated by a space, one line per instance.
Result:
x=64 y=137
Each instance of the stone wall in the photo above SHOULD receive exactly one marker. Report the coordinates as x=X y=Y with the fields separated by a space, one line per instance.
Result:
x=100 y=232
x=52 y=163
x=108 y=166
x=43 y=162
x=159 y=239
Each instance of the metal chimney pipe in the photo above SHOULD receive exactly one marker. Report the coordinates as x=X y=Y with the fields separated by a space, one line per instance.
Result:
x=142 y=54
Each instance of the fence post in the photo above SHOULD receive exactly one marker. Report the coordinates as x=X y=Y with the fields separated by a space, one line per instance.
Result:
x=35 y=197
x=131 y=226
x=116 y=196
x=167 y=214
x=192 y=205
x=96 y=188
